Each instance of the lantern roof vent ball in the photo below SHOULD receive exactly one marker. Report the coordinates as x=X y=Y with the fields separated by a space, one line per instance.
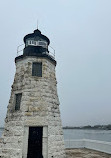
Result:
x=35 y=34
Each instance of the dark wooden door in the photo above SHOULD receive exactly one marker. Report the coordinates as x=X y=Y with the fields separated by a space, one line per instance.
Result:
x=35 y=142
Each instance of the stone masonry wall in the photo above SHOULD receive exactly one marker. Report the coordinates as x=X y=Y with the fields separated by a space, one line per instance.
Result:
x=39 y=107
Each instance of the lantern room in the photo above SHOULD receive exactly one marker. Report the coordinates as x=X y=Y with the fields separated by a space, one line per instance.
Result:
x=35 y=43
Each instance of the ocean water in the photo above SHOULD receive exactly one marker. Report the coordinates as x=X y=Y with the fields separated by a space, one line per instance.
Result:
x=102 y=135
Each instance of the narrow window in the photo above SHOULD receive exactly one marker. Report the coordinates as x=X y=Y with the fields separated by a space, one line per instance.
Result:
x=28 y=42
x=32 y=42
x=37 y=69
x=43 y=44
x=35 y=43
x=18 y=101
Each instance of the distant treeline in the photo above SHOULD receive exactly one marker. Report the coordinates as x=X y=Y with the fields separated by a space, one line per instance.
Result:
x=101 y=127
x=1 y=127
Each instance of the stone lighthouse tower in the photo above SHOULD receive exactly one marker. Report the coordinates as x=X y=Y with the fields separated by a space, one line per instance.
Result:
x=33 y=126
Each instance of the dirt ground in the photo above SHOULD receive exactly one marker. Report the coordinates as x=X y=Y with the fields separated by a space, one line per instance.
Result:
x=85 y=153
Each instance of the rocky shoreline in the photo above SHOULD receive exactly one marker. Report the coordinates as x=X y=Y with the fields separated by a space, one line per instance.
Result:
x=85 y=153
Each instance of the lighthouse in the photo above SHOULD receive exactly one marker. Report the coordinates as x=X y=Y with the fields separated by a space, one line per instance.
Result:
x=33 y=127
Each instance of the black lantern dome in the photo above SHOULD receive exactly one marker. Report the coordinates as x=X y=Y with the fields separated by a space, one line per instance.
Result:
x=37 y=33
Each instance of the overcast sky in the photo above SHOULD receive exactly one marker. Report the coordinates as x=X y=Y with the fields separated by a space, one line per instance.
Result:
x=80 y=32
